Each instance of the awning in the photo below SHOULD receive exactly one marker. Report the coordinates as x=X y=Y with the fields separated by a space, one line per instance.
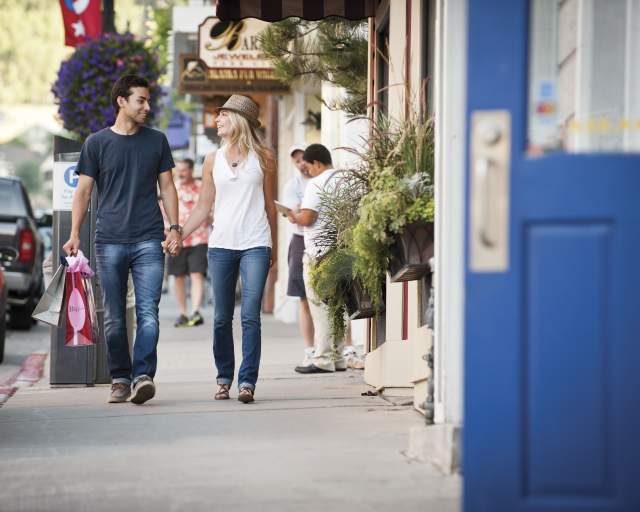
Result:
x=275 y=10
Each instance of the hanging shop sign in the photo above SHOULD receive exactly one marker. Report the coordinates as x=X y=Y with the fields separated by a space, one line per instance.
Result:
x=232 y=44
x=230 y=59
x=197 y=78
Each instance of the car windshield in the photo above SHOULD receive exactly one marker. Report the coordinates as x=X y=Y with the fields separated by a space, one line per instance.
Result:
x=11 y=200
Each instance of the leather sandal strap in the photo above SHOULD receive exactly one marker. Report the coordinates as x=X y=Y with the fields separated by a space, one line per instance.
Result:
x=223 y=390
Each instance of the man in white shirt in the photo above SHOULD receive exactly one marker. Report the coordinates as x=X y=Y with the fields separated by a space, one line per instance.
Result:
x=292 y=197
x=318 y=162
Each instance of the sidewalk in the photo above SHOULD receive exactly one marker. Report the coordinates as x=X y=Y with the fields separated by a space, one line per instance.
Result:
x=308 y=442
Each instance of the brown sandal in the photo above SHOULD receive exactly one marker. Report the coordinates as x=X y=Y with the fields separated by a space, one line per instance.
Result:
x=245 y=395
x=223 y=392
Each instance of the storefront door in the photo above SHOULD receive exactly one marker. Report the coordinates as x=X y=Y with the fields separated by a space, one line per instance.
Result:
x=552 y=308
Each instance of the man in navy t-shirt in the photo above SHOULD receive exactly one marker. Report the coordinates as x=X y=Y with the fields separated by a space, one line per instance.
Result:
x=127 y=162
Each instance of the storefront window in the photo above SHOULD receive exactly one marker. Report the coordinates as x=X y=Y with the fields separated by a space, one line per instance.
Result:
x=584 y=87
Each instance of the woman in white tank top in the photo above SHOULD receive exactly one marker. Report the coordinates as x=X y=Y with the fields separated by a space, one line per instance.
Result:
x=240 y=178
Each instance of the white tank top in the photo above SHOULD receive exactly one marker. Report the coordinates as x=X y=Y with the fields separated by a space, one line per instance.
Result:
x=239 y=218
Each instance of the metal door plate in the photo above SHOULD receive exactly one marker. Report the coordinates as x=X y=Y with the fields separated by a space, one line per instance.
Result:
x=490 y=162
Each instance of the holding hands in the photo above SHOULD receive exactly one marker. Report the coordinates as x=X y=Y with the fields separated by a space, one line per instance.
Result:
x=173 y=243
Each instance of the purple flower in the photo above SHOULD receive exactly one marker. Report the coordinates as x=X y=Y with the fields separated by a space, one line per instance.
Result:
x=83 y=86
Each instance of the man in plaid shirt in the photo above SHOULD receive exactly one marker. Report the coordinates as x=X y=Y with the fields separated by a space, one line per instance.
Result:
x=192 y=260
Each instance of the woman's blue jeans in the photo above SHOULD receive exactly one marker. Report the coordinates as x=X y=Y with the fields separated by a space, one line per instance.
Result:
x=224 y=267
x=146 y=261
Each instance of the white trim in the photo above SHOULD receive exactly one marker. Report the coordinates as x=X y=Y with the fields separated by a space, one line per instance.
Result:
x=628 y=78
x=299 y=114
x=584 y=56
x=438 y=374
x=450 y=101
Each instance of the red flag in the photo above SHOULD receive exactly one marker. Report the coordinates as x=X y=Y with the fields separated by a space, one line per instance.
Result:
x=82 y=20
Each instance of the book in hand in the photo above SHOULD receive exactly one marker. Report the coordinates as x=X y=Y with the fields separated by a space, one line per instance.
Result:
x=284 y=210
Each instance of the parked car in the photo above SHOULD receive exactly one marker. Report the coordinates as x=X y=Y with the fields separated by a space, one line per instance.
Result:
x=44 y=221
x=18 y=231
x=6 y=254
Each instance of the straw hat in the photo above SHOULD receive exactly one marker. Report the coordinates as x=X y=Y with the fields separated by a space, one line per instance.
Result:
x=244 y=106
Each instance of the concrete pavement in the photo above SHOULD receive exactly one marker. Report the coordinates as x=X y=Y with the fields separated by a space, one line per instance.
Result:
x=19 y=344
x=308 y=443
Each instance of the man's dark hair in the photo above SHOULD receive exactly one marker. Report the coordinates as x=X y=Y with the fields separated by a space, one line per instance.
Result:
x=123 y=86
x=190 y=163
x=317 y=153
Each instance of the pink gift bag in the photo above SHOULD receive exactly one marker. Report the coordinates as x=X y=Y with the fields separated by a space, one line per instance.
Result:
x=79 y=306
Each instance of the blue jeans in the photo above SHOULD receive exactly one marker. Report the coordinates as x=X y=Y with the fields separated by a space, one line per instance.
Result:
x=224 y=267
x=146 y=261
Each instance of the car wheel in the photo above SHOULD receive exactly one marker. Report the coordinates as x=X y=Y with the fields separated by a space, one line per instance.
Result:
x=20 y=317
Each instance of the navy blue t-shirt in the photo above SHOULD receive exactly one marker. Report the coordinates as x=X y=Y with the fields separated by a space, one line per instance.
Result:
x=126 y=169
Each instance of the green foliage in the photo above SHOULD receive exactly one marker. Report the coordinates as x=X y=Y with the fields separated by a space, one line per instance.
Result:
x=29 y=173
x=31 y=48
x=369 y=207
x=340 y=207
x=159 y=29
x=332 y=50
x=401 y=191
x=331 y=278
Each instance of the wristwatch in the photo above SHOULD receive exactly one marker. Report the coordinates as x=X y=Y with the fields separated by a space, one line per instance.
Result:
x=177 y=227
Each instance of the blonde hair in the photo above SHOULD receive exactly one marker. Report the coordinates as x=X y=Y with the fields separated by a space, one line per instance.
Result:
x=245 y=137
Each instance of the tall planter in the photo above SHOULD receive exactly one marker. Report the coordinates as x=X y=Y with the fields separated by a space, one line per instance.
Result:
x=358 y=303
x=411 y=251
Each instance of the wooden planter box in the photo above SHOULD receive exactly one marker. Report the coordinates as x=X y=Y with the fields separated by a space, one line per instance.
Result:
x=358 y=303
x=411 y=251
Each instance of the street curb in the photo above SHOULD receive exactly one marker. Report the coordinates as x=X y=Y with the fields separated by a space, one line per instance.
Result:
x=30 y=372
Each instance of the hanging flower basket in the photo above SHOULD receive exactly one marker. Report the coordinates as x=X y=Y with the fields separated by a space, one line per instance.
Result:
x=411 y=251
x=358 y=303
x=83 y=87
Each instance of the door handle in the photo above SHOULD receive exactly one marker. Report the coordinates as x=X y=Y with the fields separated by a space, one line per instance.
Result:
x=487 y=228
x=489 y=194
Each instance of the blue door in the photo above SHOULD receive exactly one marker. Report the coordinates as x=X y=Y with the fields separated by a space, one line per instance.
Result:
x=552 y=312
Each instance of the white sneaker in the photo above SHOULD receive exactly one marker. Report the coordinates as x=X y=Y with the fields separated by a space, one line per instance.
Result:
x=353 y=359
x=308 y=357
x=356 y=362
x=348 y=351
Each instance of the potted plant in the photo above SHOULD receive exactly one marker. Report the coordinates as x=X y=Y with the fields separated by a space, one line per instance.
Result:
x=358 y=303
x=411 y=251
x=83 y=87
x=332 y=276
x=394 y=231
x=413 y=244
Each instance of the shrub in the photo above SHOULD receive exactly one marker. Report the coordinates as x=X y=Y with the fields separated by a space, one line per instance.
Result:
x=400 y=192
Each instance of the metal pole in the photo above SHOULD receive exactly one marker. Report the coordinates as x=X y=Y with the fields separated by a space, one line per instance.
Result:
x=108 y=17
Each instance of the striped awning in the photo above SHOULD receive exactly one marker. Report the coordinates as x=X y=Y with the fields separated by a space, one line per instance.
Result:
x=275 y=10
